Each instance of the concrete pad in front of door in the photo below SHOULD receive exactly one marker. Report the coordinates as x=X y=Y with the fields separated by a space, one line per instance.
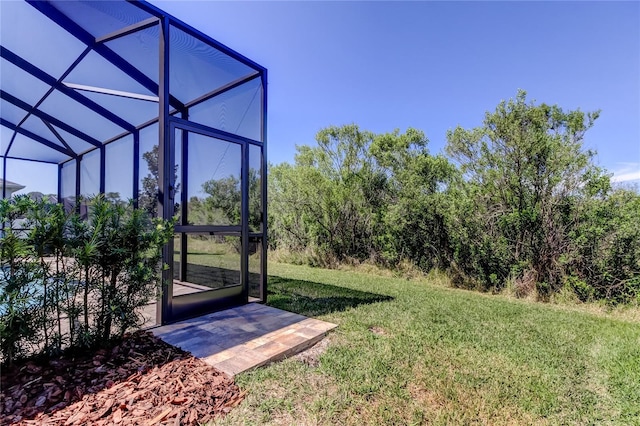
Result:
x=245 y=337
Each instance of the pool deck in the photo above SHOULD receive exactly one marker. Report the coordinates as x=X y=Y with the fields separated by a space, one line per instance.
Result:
x=246 y=337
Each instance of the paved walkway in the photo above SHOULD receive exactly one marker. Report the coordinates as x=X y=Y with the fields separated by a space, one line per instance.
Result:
x=246 y=337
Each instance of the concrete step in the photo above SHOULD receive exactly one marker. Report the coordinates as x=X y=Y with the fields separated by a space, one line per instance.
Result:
x=245 y=337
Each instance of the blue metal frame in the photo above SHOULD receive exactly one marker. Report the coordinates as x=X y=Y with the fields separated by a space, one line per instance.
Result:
x=263 y=260
x=35 y=137
x=81 y=34
x=143 y=25
x=49 y=119
x=147 y=7
x=12 y=157
x=167 y=121
x=53 y=82
x=136 y=167
x=165 y=171
x=57 y=135
x=4 y=175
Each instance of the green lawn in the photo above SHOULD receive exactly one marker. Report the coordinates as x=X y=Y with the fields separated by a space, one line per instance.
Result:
x=413 y=352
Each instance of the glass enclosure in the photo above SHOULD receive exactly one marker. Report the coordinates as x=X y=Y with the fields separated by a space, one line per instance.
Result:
x=121 y=98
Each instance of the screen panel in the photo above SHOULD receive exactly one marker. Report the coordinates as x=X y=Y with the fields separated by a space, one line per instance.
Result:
x=236 y=111
x=118 y=185
x=36 y=38
x=133 y=111
x=38 y=180
x=255 y=189
x=101 y=17
x=12 y=113
x=140 y=49
x=96 y=71
x=255 y=268
x=25 y=147
x=90 y=174
x=197 y=68
x=148 y=173
x=214 y=177
x=212 y=262
x=75 y=143
x=77 y=115
x=37 y=126
x=68 y=184
x=177 y=176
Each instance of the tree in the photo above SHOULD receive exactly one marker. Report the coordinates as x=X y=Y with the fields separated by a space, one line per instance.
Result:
x=222 y=203
x=526 y=205
x=414 y=222
x=148 y=198
x=148 y=195
x=326 y=202
x=362 y=196
x=523 y=169
x=605 y=258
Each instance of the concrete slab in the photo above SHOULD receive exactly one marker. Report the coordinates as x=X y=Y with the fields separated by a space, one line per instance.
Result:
x=246 y=337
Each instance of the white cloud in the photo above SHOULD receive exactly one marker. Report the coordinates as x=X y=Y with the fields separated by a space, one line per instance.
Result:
x=627 y=172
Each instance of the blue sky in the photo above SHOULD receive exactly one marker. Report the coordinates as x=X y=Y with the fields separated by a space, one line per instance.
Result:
x=434 y=65
x=428 y=65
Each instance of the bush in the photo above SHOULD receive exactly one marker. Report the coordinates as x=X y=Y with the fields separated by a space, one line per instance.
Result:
x=518 y=200
x=68 y=282
x=607 y=247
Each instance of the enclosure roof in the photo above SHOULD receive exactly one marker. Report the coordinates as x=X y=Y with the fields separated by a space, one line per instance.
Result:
x=78 y=74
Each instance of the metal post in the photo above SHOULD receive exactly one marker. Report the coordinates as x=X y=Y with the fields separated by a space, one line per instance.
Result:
x=136 y=168
x=60 y=200
x=263 y=181
x=3 y=225
x=77 y=198
x=103 y=164
x=184 y=220
x=4 y=177
x=244 y=221
x=4 y=167
x=165 y=171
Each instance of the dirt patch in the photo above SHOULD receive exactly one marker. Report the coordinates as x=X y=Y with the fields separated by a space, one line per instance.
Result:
x=377 y=330
x=427 y=397
x=311 y=356
x=140 y=380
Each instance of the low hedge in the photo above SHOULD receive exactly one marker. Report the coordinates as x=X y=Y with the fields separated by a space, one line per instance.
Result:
x=68 y=281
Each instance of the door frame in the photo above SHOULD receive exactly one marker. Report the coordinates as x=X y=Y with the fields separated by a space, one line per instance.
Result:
x=176 y=308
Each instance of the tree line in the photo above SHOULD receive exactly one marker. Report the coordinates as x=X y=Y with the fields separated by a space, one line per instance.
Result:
x=517 y=201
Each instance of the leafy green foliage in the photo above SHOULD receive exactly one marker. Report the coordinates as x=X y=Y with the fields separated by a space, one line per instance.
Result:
x=148 y=195
x=605 y=262
x=72 y=282
x=413 y=225
x=520 y=168
x=518 y=201
x=223 y=200
x=19 y=313
x=348 y=197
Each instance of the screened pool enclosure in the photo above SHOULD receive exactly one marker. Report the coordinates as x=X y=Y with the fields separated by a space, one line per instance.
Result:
x=120 y=98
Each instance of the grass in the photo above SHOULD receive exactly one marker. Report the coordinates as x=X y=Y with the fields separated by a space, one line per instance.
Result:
x=416 y=352
x=211 y=262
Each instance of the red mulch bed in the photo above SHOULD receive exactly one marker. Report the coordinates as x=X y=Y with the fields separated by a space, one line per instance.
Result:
x=140 y=380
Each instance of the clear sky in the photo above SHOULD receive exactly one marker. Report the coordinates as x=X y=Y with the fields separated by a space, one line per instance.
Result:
x=434 y=65
x=428 y=65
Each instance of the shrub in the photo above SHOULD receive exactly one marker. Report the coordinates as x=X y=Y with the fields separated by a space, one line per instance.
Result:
x=607 y=247
x=69 y=282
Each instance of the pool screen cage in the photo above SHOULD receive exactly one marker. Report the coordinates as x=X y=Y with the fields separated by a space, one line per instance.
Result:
x=128 y=101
